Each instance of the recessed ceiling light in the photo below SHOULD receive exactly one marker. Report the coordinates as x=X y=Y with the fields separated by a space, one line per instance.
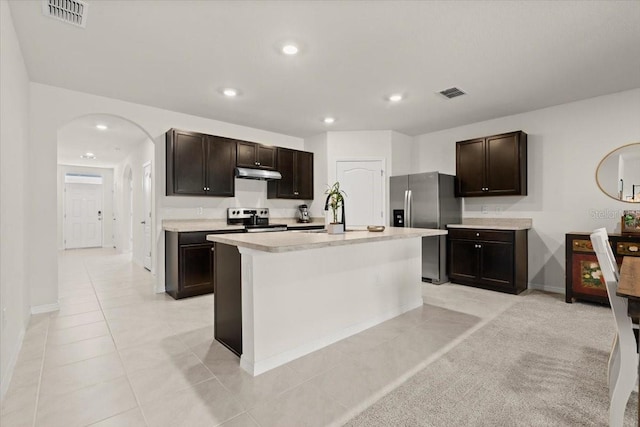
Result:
x=396 y=97
x=290 y=49
x=88 y=155
x=329 y=120
x=101 y=127
x=229 y=92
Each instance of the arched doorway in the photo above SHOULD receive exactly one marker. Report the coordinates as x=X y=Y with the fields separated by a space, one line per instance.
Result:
x=121 y=152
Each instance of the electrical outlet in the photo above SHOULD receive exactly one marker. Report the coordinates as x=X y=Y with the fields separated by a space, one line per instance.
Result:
x=485 y=209
x=499 y=210
x=200 y=211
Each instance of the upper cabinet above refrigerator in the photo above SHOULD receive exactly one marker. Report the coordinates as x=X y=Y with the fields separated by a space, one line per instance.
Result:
x=492 y=166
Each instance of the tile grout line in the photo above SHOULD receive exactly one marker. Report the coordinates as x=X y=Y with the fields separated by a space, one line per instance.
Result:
x=126 y=374
x=44 y=354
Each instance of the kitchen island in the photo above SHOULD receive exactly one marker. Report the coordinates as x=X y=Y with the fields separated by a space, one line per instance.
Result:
x=279 y=296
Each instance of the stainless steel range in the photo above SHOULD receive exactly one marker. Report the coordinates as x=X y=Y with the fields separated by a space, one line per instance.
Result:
x=255 y=220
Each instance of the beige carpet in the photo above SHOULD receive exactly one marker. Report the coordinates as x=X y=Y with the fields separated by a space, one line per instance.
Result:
x=540 y=363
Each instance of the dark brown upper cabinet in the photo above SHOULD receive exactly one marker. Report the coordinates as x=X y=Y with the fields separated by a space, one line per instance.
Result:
x=296 y=168
x=199 y=164
x=492 y=166
x=252 y=155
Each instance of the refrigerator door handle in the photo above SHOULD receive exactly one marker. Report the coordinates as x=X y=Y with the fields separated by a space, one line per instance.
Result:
x=408 y=221
x=406 y=207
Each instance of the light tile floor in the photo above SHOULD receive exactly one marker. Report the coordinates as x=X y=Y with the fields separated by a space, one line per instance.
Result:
x=118 y=354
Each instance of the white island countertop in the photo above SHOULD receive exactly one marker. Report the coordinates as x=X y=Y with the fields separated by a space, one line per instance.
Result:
x=287 y=241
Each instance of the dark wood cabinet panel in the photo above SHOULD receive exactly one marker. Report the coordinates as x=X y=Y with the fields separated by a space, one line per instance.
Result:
x=252 y=155
x=185 y=163
x=495 y=268
x=296 y=168
x=199 y=164
x=196 y=266
x=304 y=175
x=228 y=301
x=489 y=259
x=266 y=157
x=188 y=264
x=583 y=275
x=221 y=155
x=492 y=166
x=463 y=259
x=470 y=167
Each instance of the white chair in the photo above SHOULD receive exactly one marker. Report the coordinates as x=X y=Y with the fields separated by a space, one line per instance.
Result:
x=623 y=360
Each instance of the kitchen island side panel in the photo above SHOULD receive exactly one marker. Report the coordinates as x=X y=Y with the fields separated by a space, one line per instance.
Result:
x=297 y=302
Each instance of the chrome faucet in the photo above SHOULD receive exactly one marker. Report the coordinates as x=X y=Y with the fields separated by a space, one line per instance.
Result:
x=326 y=208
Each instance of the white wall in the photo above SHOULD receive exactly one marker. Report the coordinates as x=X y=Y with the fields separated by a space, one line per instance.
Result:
x=52 y=108
x=107 y=201
x=403 y=151
x=565 y=145
x=317 y=144
x=142 y=154
x=14 y=130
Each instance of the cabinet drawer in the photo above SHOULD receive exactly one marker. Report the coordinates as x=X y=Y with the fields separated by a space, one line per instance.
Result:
x=582 y=245
x=481 y=234
x=628 y=248
x=193 y=237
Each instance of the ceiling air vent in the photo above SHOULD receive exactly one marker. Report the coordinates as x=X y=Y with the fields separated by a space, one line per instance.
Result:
x=73 y=12
x=452 y=92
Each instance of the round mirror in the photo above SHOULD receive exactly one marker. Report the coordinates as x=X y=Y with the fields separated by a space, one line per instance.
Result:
x=618 y=174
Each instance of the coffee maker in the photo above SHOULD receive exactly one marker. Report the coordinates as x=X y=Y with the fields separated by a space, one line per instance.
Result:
x=303 y=213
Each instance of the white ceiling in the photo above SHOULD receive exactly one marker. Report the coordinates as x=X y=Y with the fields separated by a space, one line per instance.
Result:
x=110 y=146
x=510 y=56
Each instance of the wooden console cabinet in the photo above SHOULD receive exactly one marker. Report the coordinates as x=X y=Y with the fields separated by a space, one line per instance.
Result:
x=583 y=275
x=488 y=258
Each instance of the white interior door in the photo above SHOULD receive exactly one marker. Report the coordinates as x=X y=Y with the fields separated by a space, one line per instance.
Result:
x=146 y=222
x=83 y=215
x=363 y=182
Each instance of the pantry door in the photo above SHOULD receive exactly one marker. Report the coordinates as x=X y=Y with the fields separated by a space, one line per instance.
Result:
x=363 y=181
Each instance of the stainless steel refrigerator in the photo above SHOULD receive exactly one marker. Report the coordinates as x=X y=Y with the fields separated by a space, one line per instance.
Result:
x=426 y=200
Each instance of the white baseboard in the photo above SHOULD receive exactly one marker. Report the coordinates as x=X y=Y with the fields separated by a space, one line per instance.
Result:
x=45 y=308
x=4 y=385
x=547 y=288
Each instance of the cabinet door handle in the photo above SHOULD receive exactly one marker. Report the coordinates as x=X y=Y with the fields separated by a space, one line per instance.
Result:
x=295 y=193
x=259 y=164
x=477 y=234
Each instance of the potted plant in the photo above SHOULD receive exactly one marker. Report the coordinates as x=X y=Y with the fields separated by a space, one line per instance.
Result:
x=335 y=201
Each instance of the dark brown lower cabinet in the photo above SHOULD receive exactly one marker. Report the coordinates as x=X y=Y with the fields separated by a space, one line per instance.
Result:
x=490 y=259
x=228 y=301
x=188 y=264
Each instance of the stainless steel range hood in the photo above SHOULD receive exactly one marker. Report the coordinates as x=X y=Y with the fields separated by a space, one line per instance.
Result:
x=264 y=175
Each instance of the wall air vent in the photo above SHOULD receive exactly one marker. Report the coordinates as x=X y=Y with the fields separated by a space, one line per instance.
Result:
x=452 y=92
x=73 y=12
